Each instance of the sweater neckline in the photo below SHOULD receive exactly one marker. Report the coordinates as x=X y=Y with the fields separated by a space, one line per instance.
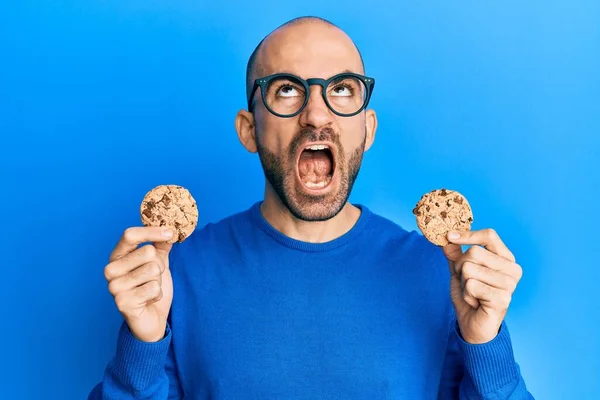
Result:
x=265 y=226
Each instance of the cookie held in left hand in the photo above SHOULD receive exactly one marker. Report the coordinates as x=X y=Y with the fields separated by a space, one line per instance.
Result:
x=441 y=211
x=172 y=206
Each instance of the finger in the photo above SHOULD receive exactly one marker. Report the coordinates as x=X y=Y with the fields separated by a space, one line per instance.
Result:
x=138 y=297
x=131 y=261
x=482 y=256
x=487 y=238
x=489 y=296
x=139 y=276
x=452 y=252
x=488 y=276
x=470 y=300
x=134 y=236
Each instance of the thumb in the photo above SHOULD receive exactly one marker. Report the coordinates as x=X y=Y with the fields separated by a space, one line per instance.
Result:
x=165 y=247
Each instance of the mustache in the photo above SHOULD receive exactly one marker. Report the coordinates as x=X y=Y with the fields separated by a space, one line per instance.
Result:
x=311 y=135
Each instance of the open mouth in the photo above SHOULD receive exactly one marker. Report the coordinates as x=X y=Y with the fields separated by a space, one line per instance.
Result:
x=316 y=166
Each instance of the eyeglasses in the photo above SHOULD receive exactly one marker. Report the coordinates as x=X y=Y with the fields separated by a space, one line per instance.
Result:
x=286 y=95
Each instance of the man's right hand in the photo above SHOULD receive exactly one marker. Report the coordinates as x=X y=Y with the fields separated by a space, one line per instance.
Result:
x=140 y=281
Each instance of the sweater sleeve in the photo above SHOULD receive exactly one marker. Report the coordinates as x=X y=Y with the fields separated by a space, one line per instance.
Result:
x=481 y=372
x=139 y=370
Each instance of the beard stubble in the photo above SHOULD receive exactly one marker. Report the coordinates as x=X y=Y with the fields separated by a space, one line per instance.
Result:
x=280 y=172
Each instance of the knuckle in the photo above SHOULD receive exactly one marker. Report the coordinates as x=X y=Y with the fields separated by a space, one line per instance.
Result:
x=468 y=269
x=128 y=234
x=510 y=283
x=473 y=251
x=491 y=233
x=149 y=251
x=108 y=272
x=112 y=289
x=519 y=271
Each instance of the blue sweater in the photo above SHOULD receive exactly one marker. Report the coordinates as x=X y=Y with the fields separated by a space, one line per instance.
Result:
x=258 y=315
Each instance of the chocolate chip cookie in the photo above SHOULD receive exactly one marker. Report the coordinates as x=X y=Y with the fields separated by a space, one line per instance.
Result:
x=441 y=211
x=172 y=206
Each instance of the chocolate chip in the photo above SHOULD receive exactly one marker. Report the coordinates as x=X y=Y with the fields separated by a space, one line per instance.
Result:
x=437 y=204
x=163 y=222
x=427 y=219
x=177 y=225
x=444 y=214
x=416 y=211
x=448 y=203
x=443 y=192
x=147 y=212
x=150 y=204
x=470 y=219
x=166 y=200
x=428 y=208
x=193 y=205
x=458 y=200
x=181 y=237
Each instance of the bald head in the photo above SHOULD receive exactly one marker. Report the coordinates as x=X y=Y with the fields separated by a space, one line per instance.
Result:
x=302 y=33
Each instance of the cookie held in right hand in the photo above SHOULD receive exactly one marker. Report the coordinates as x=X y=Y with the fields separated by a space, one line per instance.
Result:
x=172 y=206
x=441 y=211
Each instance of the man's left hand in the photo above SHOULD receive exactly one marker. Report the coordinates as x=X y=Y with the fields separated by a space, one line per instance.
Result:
x=482 y=282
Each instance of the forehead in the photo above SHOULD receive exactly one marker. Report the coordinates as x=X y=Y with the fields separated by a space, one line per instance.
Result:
x=309 y=50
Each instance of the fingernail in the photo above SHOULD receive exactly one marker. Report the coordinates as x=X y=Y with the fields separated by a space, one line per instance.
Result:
x=453 y=235
x=167 y=233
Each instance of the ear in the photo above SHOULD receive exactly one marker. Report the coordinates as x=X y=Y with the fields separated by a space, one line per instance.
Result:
x=245 y=127
x=370 y=127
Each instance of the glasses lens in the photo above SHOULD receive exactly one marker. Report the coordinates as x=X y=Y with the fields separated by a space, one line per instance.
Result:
x=285 y=95
x=346 y=94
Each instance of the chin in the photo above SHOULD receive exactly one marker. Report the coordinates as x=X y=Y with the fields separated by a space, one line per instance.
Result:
x=315 y=213
x=305 y=205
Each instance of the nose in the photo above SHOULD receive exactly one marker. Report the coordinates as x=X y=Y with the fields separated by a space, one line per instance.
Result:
x=316 y=114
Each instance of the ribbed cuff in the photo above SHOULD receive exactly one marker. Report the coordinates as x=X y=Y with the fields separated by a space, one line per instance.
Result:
x=140 y=364
x=490 y=365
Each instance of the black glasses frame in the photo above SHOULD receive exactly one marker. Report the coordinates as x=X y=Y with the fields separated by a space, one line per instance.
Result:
x=263 y=83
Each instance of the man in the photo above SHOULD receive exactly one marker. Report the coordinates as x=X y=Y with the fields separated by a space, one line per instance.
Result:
x=304 y=295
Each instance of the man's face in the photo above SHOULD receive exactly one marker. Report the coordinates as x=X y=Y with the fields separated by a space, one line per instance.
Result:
x=313 y=182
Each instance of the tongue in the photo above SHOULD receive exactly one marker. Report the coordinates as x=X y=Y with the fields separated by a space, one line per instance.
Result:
x=314 y=166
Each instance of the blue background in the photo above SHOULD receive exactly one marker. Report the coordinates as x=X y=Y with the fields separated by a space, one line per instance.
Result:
x=102 y=100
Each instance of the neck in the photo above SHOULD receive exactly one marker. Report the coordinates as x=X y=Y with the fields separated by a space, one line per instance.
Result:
x=280 y=217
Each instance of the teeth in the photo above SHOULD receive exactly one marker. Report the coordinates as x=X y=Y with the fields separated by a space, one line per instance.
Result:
x=317 y=147
x=318 y=185
x=315 y=185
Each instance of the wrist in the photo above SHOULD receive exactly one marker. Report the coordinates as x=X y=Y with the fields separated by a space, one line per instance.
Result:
x=478 y=337
x=143 y=334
